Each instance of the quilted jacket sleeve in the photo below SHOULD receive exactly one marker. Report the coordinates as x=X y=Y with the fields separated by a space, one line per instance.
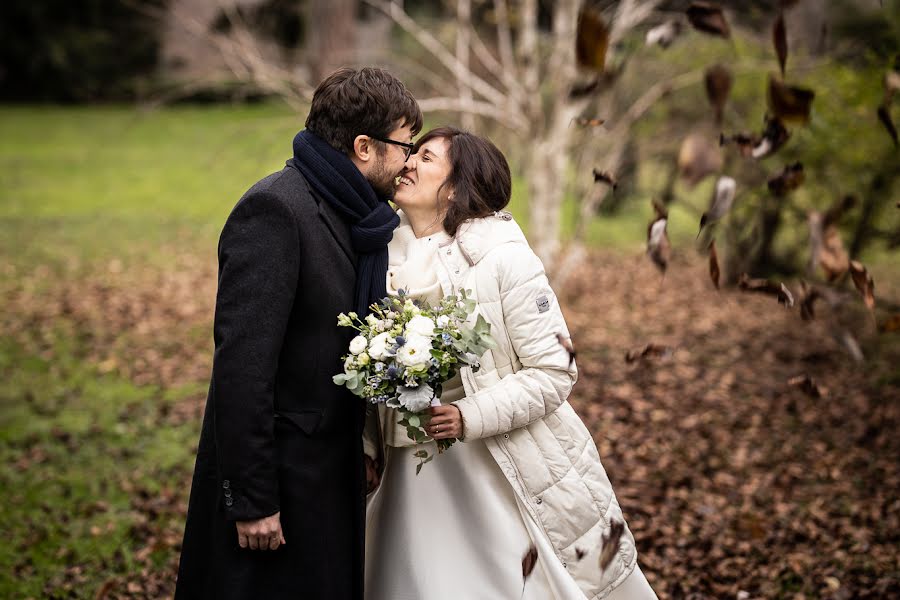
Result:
x=532 y=319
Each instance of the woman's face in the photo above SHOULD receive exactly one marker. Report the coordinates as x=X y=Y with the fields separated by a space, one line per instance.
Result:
x=421 y=179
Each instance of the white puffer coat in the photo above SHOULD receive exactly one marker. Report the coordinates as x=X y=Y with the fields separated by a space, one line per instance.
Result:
x=516 y=402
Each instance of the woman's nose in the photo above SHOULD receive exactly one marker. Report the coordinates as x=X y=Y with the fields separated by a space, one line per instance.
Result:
x=411 y=162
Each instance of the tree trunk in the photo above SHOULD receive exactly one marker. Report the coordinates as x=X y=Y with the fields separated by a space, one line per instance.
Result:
x=332 y=36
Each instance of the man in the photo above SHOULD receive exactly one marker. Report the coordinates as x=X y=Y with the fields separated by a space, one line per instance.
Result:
x=277 y=507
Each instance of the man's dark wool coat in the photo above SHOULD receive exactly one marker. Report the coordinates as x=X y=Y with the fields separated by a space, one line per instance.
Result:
x=278 y=434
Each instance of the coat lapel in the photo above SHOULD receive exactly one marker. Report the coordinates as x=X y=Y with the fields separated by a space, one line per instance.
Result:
x=338 y=228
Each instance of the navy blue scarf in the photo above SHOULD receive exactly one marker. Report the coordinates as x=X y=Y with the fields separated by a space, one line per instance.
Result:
x=372 y=221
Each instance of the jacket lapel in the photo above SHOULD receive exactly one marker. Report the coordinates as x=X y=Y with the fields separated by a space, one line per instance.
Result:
x=338 y=228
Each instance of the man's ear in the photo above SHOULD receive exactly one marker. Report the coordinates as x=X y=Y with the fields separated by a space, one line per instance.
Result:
x=363 y=150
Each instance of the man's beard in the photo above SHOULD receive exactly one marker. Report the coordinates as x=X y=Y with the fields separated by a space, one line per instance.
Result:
x=382 y=181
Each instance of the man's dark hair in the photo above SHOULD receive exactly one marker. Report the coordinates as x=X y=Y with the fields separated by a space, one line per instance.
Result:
x=367 y=101
x=479 y=176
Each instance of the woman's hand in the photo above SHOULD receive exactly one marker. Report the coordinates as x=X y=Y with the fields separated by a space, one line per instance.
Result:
x=446 y=423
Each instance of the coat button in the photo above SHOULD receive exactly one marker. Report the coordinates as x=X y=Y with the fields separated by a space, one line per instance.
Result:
x=457 y=271
x=228 y=493
x=565 y=566
x=226 y=484
x=538 y=501
x=229 y=501
x=449 y=252
x=505 y=436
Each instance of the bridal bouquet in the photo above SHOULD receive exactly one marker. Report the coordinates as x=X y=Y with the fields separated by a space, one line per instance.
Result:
x=406 y=350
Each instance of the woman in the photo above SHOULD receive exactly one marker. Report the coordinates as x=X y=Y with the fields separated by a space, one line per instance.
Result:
x=527 y=472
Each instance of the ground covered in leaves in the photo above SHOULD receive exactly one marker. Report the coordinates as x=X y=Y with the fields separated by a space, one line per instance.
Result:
x=735 y=483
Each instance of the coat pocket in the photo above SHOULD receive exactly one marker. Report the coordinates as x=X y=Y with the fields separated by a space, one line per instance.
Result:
x=307 y=421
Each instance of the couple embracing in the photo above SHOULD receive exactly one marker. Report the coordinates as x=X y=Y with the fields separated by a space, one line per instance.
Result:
x=298 y=493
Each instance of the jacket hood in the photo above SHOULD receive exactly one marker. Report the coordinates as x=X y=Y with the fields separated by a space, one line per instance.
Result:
x=477 y=237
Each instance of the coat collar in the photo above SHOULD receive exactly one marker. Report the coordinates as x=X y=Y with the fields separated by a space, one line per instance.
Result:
x=477 y=237
x=334 y=222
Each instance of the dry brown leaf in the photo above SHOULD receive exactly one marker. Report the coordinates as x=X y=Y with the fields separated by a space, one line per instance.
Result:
x=567 y=344
x=713 y=264
x=708 y=18
x=790 y=178
x=610 y=543
x=663 y=35
x=774 y=136
x=698 y=157
x=863 y=282
x=718 y=86
x=529 y=561
x=744 y=141
x=658 y=247
x=806 y=384
x=581 y=89
x=605 y=177
x=789 y=103
x=779 y=39
x=106 y=589
x=591 y=40
x=720 y=203
x=764 y=286
x=650 y=351
x=808 y=296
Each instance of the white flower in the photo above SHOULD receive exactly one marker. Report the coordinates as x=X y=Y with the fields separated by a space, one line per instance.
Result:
x=349 y=364
x=358 y=344
x=415 y=352
x=378 y=347
x=442 y=321
x=388 y=323
x=371 y=320
x=416 y=399
x=391 y=315
x=420 y=325
x=363 y=359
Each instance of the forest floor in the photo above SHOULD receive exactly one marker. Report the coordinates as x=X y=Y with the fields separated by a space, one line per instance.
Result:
x=731 y=479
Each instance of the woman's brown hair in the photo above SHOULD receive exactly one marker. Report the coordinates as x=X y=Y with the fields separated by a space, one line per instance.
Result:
x=479 y=176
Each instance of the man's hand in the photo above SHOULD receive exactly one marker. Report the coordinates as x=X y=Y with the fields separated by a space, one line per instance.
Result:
x=372 y=478
x=262 y=534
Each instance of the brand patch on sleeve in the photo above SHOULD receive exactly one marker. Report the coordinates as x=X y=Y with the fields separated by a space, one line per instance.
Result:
x=543 y=304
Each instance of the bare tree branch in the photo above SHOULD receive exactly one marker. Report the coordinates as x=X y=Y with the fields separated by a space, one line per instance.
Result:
x=438 y=50
x=484 y=109
x=463 y=41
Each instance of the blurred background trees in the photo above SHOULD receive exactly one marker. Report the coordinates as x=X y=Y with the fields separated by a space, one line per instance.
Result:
x=575 y=92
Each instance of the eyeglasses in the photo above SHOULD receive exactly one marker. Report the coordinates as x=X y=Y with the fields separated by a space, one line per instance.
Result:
x=408 y=148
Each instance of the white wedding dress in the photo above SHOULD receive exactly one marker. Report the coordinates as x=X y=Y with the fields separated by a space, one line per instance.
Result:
x=456 y=531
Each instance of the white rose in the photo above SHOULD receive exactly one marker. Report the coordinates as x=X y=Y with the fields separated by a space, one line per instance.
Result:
x=363 y=359
x=421 y=326
x=442 y=321
x=378 y=347
x=358 y=344
x=415 y=352
x=371 y=320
